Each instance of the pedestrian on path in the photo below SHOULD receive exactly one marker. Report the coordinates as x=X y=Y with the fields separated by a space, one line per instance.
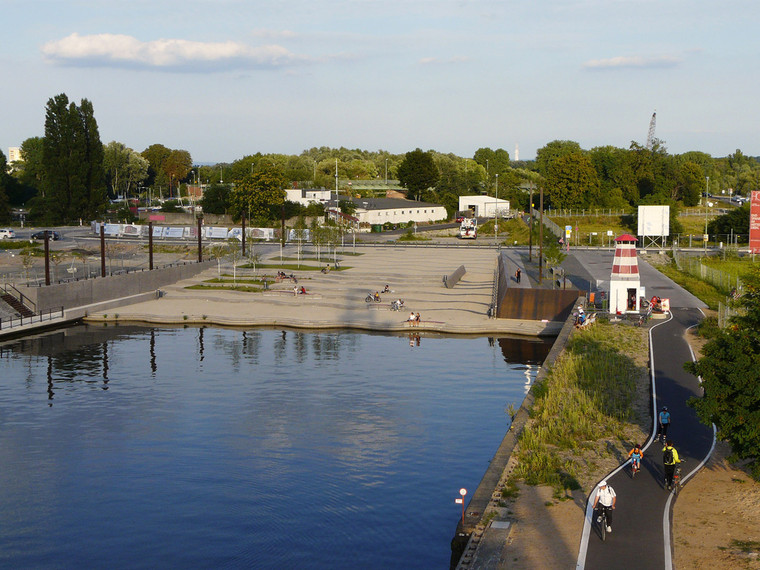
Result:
x=663 y=422
x=670 y=460
x=606 y=498
x=517 y=275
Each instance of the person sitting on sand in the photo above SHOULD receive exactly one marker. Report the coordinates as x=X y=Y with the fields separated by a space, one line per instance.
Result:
x=302 y=290
x=386 y=289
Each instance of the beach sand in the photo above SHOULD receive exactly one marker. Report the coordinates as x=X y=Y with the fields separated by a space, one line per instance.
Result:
x=337 y=299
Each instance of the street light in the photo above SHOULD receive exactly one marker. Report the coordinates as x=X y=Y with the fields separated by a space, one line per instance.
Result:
x=496 y=213
x=707 y=193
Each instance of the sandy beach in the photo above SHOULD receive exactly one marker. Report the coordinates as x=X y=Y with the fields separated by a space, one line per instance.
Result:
x=337 y=299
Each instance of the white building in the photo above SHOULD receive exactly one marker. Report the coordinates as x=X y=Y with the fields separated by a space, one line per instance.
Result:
x=305 y=196
x=375 y=211
x=484 y=206
x=14 y=154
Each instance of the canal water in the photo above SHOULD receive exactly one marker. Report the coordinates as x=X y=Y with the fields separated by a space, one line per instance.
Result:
x=136 y=447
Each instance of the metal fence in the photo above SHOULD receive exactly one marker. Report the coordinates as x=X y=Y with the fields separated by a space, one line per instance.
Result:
x=724 y=282
x=42 y=316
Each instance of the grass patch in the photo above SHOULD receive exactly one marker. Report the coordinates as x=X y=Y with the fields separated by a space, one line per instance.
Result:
x=243 y=288
x=289 y=267
x=18 y=244
x=588 y=393
x=700 y=289
x=511 y=490
x=410 y=236
x=746 y=546
x=234 y=281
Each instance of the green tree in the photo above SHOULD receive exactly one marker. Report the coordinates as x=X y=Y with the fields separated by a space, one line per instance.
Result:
x=418 y=172
x=73 y=162
x=5 y=182
x=552 y=151
x=216 y=199
x=691 y=182
x=496 y=161
x=735 y=221
x=156 y=155
x=347 y=207
x=730 y=373
x=30 y=172
x=571 y=182
x=176 y=167
x=259 y=195
x=124 y=167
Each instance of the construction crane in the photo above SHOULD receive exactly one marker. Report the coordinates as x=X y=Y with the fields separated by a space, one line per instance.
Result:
x=650 y=136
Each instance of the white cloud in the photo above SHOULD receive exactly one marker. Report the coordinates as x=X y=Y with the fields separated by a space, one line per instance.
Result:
x=632 y=61
x=113 y=50
x=439 y=61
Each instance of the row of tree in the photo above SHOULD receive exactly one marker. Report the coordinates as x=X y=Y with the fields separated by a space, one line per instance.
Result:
x=68 y=174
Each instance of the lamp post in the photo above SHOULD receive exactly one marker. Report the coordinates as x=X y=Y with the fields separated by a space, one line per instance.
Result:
x=707 y=193
x=496 y=213
x=386 y=172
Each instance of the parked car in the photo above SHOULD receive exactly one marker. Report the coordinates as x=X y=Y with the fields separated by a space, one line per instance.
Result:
x=7 y=233
x=51 y=234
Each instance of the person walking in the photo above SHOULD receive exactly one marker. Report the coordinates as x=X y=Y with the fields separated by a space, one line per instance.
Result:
x=669 y=459
x=663 y=422
x=606 y=498
x=517 y=274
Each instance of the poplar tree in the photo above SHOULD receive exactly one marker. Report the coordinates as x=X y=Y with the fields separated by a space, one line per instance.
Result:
x=72 y=161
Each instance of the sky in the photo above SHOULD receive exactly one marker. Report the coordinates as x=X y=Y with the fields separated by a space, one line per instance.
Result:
x=224 y=79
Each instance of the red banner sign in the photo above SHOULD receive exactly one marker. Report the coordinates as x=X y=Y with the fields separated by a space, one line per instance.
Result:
x=754 y=222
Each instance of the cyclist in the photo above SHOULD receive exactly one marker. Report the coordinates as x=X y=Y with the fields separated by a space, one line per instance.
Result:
x=605 y=496
x=663 y=420
x=670 y=460
x=635 y=456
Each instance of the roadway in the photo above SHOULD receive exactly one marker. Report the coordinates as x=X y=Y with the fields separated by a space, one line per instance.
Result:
x=641 y=536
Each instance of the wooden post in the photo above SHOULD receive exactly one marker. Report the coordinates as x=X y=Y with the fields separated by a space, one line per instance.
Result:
x=243 y=235
x=150 y=246
x=47 y=257
x=102 y=249
x=200 y=242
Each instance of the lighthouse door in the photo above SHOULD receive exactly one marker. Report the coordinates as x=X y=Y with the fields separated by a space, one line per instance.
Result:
x=631 y=299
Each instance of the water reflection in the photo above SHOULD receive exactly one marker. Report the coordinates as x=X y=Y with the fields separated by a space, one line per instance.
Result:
x=221 y=445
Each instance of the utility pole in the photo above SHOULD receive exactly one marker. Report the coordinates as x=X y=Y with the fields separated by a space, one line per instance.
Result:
x=541 y=237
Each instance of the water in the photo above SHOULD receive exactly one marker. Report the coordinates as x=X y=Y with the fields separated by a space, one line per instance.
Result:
x=210 y=448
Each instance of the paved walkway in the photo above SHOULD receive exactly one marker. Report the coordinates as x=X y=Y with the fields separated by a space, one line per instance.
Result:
x=337 y=299
x=642 y=520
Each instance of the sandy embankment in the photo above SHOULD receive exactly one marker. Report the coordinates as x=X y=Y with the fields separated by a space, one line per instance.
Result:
x=336 y=299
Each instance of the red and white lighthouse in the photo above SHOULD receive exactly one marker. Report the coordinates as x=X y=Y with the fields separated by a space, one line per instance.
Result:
x=625 y=282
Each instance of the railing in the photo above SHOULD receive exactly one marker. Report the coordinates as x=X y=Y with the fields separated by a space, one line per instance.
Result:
x=40 y=317
x=23 y=299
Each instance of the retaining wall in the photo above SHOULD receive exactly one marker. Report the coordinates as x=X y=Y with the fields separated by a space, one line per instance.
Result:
x=101 y=289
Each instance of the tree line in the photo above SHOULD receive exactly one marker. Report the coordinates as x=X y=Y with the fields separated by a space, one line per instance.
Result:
x=69 y=174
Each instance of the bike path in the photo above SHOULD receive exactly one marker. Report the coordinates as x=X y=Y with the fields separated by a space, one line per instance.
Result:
x=641 y=521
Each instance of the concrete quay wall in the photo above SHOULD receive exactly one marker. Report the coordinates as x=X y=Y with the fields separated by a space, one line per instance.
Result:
x=99 y=290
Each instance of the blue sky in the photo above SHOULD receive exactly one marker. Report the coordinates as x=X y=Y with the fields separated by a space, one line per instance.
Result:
x=227 y=78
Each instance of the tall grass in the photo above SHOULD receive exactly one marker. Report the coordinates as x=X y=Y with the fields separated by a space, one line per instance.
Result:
x=587 y=395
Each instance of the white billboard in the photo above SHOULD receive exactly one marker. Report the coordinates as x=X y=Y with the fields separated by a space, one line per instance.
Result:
x=654 y=221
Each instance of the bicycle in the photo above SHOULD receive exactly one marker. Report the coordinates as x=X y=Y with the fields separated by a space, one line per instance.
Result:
x=602 y=520
x=677 y=478
x=635 y=468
